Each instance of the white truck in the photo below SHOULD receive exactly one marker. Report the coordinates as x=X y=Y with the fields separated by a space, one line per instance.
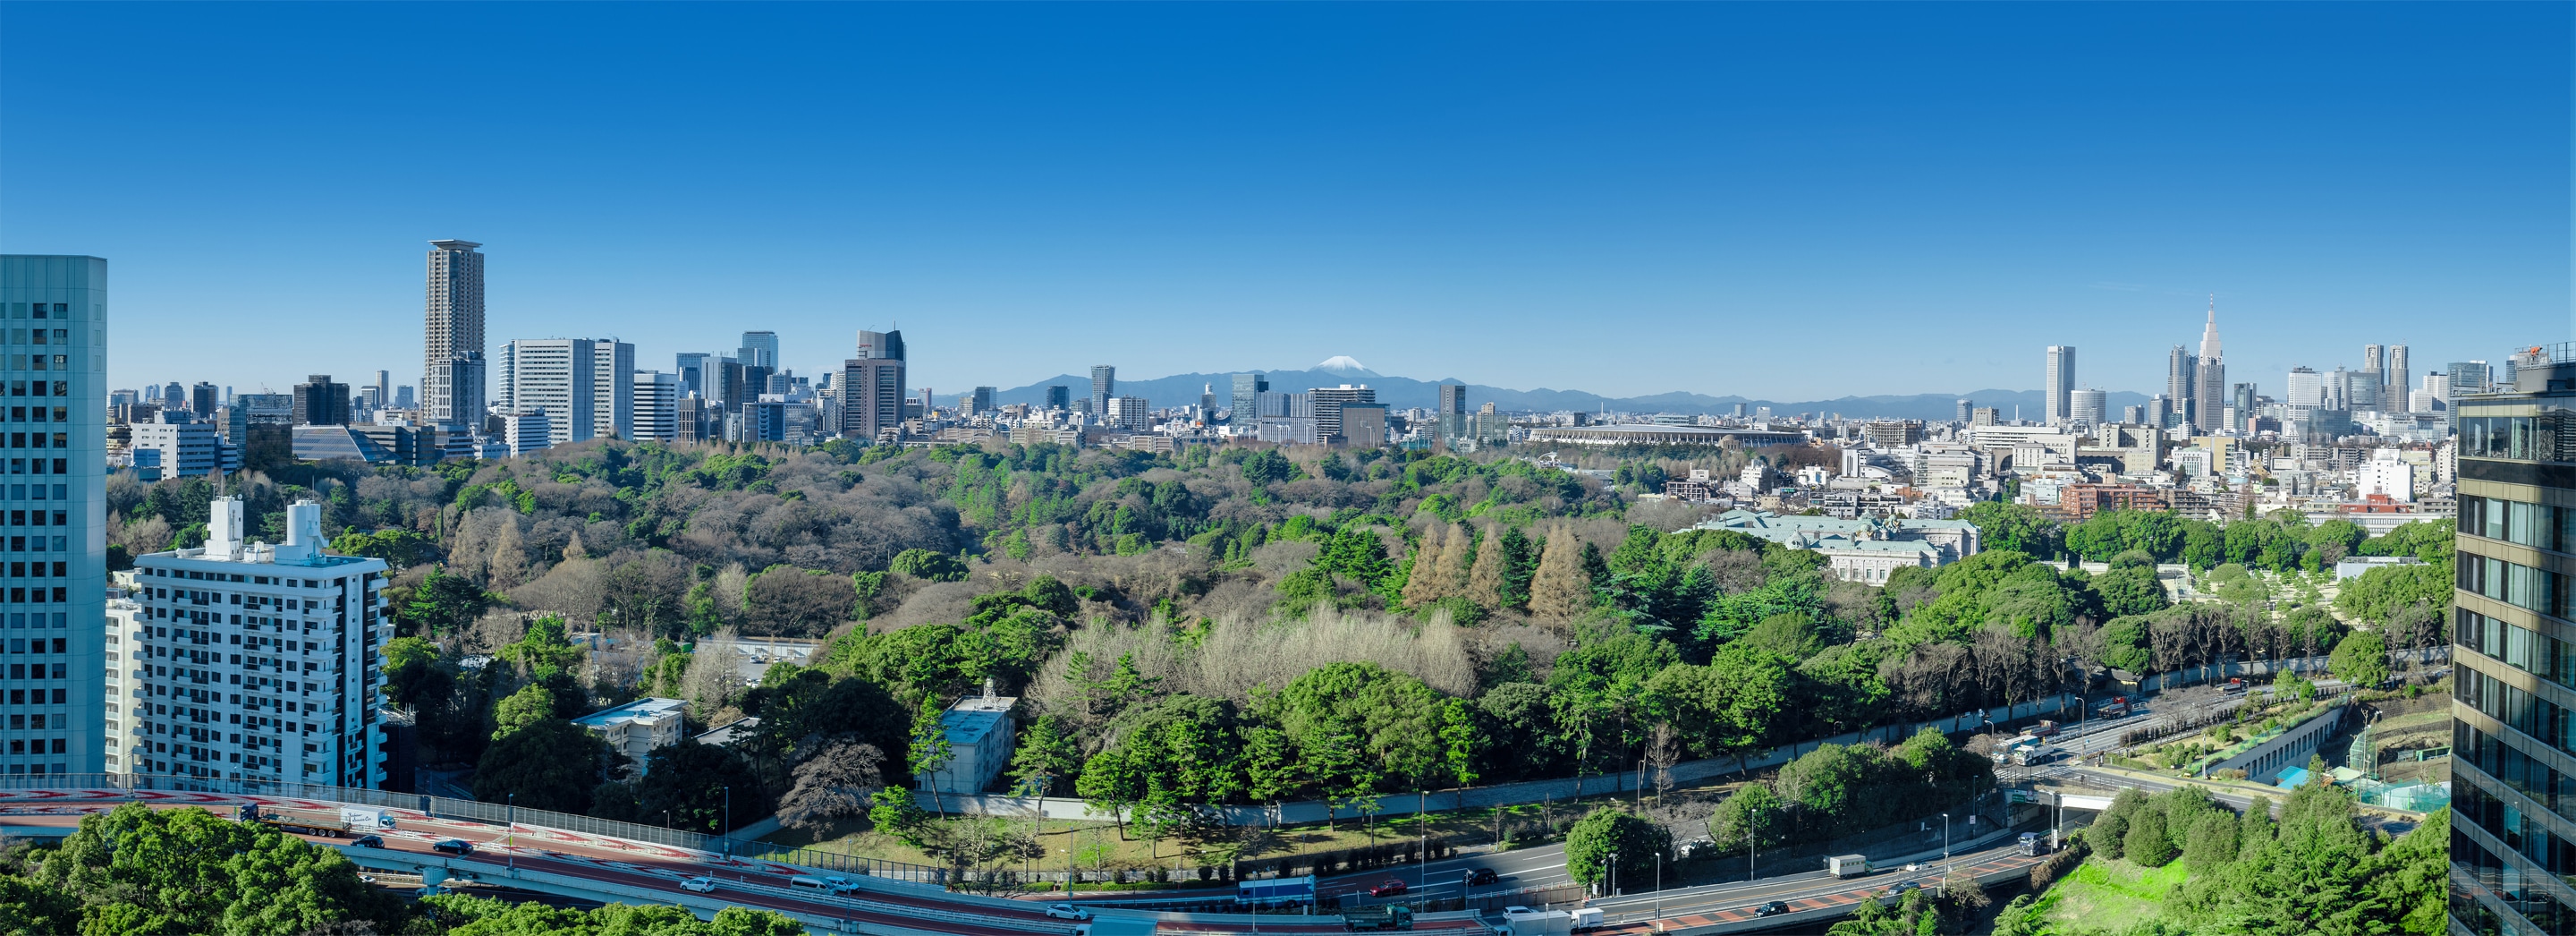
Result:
x=1846 y=866
x=365 y=820
x=1539 y=923
x=1586 y=917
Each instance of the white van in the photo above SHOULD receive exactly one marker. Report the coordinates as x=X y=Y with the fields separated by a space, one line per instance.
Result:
x=809 y=882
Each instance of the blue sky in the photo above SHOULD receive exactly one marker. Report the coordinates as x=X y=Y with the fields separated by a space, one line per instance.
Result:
x=1782 y=201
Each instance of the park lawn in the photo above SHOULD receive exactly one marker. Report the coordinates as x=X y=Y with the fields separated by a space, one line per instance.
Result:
x=2105 y=895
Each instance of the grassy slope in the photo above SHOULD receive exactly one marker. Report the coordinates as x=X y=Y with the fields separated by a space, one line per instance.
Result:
x=2108 y=896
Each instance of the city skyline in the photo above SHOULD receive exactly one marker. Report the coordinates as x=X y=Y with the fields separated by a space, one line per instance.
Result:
x=1328 y=217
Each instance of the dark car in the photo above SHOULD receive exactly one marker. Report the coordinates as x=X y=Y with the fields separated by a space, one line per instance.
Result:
x=1482 y=876
x=1774 y=908
x=369 y=841
x=1900 y=887
x=455 y=846
x=1389 y=888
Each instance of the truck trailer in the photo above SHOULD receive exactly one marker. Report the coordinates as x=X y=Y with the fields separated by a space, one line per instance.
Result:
x=1846 y=866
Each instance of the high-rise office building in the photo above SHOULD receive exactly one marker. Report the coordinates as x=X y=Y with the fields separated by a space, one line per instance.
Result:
x=307 y=631
x=1059 y=397
x=2306 y=388
x=1247 y=387
x=1328 y=407
x=2182 y=373
x=691 y=367
x=1207 y=402
x=2060 y=386
x=2399 y=380
x=1104 y=382
x=384 y=390
x=1967 y=408
x=2468 y=377
x=202 y=400
x=2513 y=715
x=657 y=406
x=2209 y=378
x=759 y=349
x=980 y=401
x=173 y=396
x=872 y=387
x=1134 y=414
x=451 y=381
x=2089 y=407
x=585 y=386
x=56 y=588
x=1451 y=413
x=320 y=402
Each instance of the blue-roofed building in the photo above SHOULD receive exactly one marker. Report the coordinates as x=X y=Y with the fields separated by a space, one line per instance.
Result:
x=979 y=744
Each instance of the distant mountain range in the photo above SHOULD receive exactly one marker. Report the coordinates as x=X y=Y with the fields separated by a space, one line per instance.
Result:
x=1404 y=392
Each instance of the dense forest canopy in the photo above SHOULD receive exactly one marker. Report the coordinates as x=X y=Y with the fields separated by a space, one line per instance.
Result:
x=1228 y=625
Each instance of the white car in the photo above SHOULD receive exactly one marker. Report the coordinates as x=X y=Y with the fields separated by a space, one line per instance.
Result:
x=1508 y=911
x=701 y=884
x=840 y=885
x=1067 y=912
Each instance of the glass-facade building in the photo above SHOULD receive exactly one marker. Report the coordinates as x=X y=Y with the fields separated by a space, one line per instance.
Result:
x=53 y=556
x=2513 y=845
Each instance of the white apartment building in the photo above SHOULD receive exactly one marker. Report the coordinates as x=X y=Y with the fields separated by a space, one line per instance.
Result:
x=634 y=729
x=657 y=406
x=249 y=661
x=189 y=449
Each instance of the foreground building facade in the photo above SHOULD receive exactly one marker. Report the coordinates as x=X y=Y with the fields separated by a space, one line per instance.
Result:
x=54 y=595
x=2513 y=843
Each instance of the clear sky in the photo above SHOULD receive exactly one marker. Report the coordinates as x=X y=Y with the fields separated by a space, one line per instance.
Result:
x=1782 y=201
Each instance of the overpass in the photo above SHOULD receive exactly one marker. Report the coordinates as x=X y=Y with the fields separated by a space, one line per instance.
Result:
x=588 y=864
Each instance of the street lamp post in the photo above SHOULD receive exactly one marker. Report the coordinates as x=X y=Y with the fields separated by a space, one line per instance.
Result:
x=728 y=832
x=1945 y=836
x=1614 y=874
x=1659 y=891
x=510 y=838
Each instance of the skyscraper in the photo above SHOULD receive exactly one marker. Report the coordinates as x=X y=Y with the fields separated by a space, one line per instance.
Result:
x=1104 y=382
x=320 y=402
x=2511 y=813
x=59 y=601
x=2468 y=377
x=980 y=401
x=1328 y=407
x=1966 y=409
x=201 y=400
x=759 y=349
x=585 y=386
x=2181 y=373
x=1059 y=397
x=2060 y=387
x=657 y=406
x=872 y=387
x=1452 y=411
x=2209 y=379
x=2399 y=380
x=2089 y=407
x=1247 y=388
x=451 y=381
x=384 y=391
x=691 y=367
x=2306 y=388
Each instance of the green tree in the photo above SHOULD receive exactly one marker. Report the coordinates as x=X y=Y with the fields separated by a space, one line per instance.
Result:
x=1046 y=759
x=549 y=763
x=2146 y=843
x=443 y=603
x=522 y=709
x=138 y=870
x=2131 y=590
x=2361 y=659
x=929 y=566
x=1609 y=831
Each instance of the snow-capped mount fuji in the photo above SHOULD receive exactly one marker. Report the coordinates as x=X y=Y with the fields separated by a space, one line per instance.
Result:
x=1344 y=365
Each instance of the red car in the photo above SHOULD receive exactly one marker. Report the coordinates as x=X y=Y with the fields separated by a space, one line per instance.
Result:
x=1391 y=888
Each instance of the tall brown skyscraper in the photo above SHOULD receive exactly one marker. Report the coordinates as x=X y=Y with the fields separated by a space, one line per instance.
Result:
x=451 y=380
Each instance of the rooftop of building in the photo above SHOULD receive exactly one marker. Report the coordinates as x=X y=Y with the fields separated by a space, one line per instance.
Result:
x=730 y=732
x=1759 y=522
x=640 y=710
x=257 y=553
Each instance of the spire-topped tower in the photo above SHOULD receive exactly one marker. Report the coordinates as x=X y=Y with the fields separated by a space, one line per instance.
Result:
x=2209 y=334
